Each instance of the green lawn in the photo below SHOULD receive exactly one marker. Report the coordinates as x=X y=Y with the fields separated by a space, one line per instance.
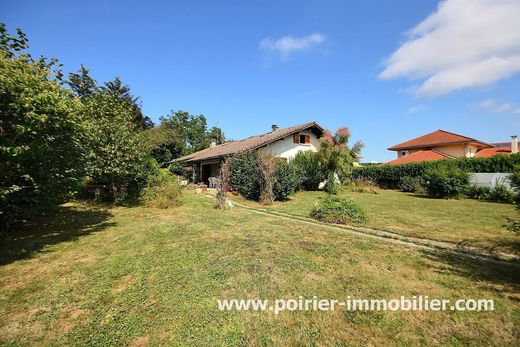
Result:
x=472 y=222
x=138 y=276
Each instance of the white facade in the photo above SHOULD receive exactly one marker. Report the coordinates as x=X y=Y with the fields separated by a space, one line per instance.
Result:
x=286 y=148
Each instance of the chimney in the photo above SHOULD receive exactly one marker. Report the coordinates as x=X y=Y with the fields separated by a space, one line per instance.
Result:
x=514 y=144
x=274 y=127
x=213 y=143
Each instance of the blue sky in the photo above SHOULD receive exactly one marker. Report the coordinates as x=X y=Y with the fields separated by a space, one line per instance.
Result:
x=248 y=64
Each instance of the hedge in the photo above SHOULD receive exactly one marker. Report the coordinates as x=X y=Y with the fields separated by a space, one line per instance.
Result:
x=389 y=175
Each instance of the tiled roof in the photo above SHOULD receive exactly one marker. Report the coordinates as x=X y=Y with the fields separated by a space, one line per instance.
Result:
x=424 y=155
x=437 y=138
x=253 y=142
x=490 y=152
x=501 y=144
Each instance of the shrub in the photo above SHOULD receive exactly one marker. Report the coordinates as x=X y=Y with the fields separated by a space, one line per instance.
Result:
x=245 y=175
x=389 y=175
x=310 y=169
x=287 y=181
x=514 y=178
x=479 y=193
x=500 y=193
x=162 y=191
x=335 y=209
x=514 y=224
x=409 y=184
x=361 y=186
x=249 y=172
x=446 y=183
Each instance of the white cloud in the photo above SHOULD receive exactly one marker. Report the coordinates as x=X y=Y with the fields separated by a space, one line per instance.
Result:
x=492 y=105
x=414 y=109
x=287 y=45
x=517 y=111
x=464 y=44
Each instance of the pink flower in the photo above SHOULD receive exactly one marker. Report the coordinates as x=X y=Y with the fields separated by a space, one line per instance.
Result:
x=343 y=132
x=328 y=139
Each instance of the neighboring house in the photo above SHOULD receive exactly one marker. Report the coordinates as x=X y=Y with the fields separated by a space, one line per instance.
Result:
x=443 y=144
x=283 y=143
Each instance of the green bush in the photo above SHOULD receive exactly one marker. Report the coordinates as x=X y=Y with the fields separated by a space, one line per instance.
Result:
x=310 y=169
x=389 y=175
x=287 y=181
x=162 y=191
x=479 y=193
x=409 y=184
x=446 y=183
x=514 y=178
x=501 y=194
x=245 y=175
x=361 y=186
x=512 y=223
x=338 y=210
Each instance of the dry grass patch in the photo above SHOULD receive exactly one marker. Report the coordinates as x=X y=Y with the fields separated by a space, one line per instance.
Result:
x=154 y=277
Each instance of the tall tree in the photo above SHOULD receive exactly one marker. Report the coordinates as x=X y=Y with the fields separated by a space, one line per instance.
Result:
x=41 y=152
x=161 y=141
x=216 y=134
x=192 y=132
x=81 y=83
x=124 y=93
x=337 y=157
x=117 y=153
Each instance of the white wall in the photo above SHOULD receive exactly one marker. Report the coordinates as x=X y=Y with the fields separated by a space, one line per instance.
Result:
x=286 y=148
x=490 y=179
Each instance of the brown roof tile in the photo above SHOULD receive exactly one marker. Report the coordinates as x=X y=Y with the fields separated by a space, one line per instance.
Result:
x=253 y=142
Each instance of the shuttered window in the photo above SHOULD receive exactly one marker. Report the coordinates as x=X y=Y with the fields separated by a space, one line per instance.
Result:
x=301 y=138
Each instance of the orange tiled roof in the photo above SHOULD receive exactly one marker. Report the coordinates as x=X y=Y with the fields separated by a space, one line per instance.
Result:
x=424 y=155
x=437 y=138
x=490 y=152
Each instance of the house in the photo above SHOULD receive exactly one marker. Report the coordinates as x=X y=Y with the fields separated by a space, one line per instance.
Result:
x=442 y=144
x=283 y=143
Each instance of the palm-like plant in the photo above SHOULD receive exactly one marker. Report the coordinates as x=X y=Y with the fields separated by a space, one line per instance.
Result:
x=336 y=155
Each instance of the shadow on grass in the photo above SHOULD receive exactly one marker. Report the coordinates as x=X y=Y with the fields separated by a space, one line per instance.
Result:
x=67 y=223
x=506 y=273
x=499 y=245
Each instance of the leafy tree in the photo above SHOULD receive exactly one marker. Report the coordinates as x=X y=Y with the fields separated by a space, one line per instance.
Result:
x=10 y=45
x=41 y=152
x=124 y=93
x=310 y=169
x=117 y=153
x=337 y=157
x=191 y=131
x=217 y=135
x=160 y=141
x=81 y=83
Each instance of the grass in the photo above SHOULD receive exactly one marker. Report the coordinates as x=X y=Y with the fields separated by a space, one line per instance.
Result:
x=138 y=276
x=472 y=222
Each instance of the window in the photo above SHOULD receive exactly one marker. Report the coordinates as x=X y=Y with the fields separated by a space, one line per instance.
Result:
x=301 y=138
x=403 y=153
